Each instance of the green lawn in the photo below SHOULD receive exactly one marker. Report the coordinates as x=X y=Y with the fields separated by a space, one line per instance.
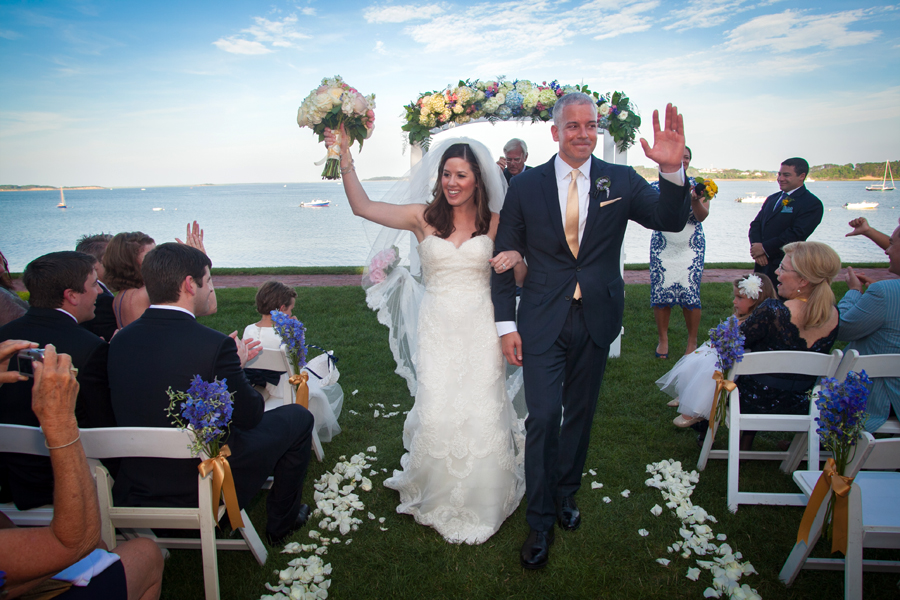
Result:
x=606 y=558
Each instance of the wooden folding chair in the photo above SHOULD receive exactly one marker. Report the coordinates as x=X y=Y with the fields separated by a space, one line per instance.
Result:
x=25 y=440
x=873 y=519
x=875 y=366
x=804 y=426
x=156 y=442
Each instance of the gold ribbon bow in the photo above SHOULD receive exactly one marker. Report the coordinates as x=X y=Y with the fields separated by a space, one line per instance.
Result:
x=831 y=480
x=223 y=481
x=334 y=150
x=302 y=389
x=721 y=384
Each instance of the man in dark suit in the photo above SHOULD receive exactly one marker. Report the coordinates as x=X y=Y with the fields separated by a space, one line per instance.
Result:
x=515 y=153
x=63 y=288
x=567 y=218
x=790 y=215
x=104 y=322
x=165 y=348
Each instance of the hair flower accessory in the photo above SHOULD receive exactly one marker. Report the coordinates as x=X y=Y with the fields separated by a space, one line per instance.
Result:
x=751 y=286
x=601 y=184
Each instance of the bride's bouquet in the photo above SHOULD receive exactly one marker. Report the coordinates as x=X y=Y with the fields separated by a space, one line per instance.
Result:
x=332 y=104
x=706 y=188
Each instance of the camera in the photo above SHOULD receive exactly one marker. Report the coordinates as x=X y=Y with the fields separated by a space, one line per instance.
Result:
x=699 y=189
x=26 y=360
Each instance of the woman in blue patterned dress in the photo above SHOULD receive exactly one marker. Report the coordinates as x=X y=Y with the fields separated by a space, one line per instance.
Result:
x=676 y=268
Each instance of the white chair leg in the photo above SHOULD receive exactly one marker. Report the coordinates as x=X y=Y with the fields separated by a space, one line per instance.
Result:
x=801 y=551
x=796 y=453
x=252 y=538
x=707 y=446
x=208 y=543
x=734 y=458
x=317 y=445
x=853 y=561
x=104 y=498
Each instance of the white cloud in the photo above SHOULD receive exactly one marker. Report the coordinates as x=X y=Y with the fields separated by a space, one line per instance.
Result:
x=792 y=30
x=379 y=47
x=14 y=124
x=9 y=34
x=309 y=11
x=704 y=13
x=629 y=20
x=263 y=36
x=401 y=13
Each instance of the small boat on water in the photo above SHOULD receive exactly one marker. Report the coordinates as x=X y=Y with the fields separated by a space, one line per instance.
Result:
x=62 y=200
x=158 y=209
x=751 y=198
x=860 y=205
x=883 y=187
x=316 y=204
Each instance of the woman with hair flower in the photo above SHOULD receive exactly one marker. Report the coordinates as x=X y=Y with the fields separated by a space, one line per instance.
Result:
x=463 y=472
x=690 y=381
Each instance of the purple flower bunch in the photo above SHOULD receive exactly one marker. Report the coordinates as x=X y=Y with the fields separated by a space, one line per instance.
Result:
x=728 y=341
x=293 y=335
x=842 y=411
x=205 y=409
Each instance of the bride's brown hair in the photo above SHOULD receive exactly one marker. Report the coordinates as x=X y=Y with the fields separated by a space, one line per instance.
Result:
x=439 y=213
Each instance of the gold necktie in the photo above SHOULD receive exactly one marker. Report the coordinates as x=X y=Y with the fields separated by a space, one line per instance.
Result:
x=572 y=222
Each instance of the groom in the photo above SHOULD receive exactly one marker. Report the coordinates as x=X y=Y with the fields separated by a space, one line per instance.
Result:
x=568 y=218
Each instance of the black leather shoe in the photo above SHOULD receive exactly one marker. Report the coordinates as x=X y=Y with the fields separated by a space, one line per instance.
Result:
x=302 y=518
x=568 y=514
x=536 y=550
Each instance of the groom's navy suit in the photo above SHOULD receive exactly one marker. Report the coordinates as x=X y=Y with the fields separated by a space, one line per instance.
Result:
x=565 y=344
x=777 y=225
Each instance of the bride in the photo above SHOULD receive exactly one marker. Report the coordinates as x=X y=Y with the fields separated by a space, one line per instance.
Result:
x=463 y=470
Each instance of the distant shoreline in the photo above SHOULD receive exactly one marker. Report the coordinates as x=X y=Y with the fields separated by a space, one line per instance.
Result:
x=50 y=189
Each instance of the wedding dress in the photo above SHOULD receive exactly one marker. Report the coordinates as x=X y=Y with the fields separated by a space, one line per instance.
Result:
x=463 y=472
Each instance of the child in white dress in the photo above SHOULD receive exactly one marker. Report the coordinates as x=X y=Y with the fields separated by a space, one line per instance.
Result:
x=690 y=381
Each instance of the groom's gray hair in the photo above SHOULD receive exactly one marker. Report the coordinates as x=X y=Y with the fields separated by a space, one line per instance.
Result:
x=571 y=98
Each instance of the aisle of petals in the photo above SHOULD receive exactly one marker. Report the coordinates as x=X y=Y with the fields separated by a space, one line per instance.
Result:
x=336 y=503
x=676 y=486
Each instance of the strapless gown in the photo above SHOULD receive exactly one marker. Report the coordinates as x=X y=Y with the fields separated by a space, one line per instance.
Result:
x=463 y=472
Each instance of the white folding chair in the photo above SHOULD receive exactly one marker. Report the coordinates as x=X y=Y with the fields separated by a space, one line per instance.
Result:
x=155 y=442
x=804 y=426
x=875 y=366
x=25 y=440
x=873 y=519
x=276 y=360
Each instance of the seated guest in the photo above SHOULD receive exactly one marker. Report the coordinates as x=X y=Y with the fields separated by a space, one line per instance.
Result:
x=104 y=322
x=870 y=321
x=122 y=270
x=165 y=348
x=806 y=320
x=11 y=306
x=272 y=295
x=63 y=287
x=62 y=560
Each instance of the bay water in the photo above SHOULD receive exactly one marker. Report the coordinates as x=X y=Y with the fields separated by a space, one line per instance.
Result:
x=258 y=225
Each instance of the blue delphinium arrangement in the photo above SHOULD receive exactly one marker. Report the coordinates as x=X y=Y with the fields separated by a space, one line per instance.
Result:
x=293 y=335
x=205 y=410
x=842 y=414
x=728 y=342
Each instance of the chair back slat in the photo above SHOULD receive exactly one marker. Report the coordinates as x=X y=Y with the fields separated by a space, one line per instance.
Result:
x=22 y=439
x=271 y=360
x=884 y=456
x=789 y=361
x=136 y=442
x=875 y=365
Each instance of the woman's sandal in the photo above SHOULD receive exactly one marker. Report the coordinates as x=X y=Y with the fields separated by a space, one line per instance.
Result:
x=680 y=421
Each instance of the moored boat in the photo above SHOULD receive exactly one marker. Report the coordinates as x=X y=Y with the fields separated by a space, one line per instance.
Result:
x=316 y=204
x=883 y=187
x=62 y=200
x=860 y=205
x=751 y=198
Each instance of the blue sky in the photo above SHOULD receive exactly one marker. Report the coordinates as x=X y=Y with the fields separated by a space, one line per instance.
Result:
x=170 y=93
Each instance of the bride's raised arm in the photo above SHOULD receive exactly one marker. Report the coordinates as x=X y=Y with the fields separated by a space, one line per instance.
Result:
x=395 y=216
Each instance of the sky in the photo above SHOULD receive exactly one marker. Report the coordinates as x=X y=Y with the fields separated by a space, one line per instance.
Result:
x=115 y=93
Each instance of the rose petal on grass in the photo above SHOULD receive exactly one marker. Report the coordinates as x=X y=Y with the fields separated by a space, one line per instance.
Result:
x=693 y=574
x=663 y=561
x=643 y=532
x=656 y=510
x=595 y=485
x=626 y=493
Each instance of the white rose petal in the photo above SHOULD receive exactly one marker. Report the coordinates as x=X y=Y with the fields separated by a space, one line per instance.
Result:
x=371 y=449
x=592 y=472
x=711 y=593
x=376 y=413
x=626 y=493
x=663 y=561
x=371 y=517
x=607 y=499
x=693 y=574
x=656 y=510
x=721 y=537
x=381 y=519
x=643 y=532
x=595 y=485
x=355 y=392
x=383 y=528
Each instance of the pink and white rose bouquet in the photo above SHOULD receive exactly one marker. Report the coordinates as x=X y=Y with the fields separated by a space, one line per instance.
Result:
x=382 y=264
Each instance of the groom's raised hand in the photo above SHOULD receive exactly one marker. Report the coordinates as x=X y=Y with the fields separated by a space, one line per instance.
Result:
x=668 y=143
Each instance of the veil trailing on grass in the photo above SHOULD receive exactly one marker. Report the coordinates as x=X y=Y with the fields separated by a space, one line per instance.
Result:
x=392 y=277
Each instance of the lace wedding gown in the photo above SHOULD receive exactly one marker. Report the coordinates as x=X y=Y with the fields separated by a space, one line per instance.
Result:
x=463 y=472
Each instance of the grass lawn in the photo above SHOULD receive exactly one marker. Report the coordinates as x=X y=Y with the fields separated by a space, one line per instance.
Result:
x=605 y=558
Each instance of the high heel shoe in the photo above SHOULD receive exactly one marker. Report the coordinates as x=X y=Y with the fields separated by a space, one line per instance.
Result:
x=681 y=421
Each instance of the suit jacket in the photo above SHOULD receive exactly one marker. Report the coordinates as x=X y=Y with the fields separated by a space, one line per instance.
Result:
x=163 y=349
x=531 y=223
x=871 y=323
x=104 y=322
x=774 y=227
x=30 y=477
x=509 y=175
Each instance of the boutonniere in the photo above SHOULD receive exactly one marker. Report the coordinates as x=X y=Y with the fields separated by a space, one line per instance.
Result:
x=601 y=184
x=786 y=201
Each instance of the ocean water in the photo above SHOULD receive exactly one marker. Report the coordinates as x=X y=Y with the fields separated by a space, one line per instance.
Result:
x=253 y=225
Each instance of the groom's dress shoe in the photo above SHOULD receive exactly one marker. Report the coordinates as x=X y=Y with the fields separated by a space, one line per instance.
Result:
x=300 y=521
x=568 y=514
x=536 y=550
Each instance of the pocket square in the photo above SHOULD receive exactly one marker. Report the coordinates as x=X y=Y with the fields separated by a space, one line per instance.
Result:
x=605 y=202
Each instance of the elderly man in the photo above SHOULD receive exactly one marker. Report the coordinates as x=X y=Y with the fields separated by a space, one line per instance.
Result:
x=790 y=215
x=63 y=287
x=166 y=348
x=515 y=153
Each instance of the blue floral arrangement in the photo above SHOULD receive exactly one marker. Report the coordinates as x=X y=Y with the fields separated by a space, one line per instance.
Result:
x=842 y=414
x=293 y=335
x=728 y=341
x=204 y=410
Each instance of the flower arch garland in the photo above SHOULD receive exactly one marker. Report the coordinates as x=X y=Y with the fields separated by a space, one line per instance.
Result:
x=502 y=100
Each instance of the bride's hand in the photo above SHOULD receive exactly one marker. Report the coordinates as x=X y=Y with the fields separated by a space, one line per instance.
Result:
x=331 y=137
x=505 y=261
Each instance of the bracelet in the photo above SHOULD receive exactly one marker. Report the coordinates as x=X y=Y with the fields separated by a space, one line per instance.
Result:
x=64 y=445
x=345 y=170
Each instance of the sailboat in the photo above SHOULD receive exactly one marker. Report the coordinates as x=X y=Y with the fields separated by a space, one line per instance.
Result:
x=62 y=200
x=883 y=187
